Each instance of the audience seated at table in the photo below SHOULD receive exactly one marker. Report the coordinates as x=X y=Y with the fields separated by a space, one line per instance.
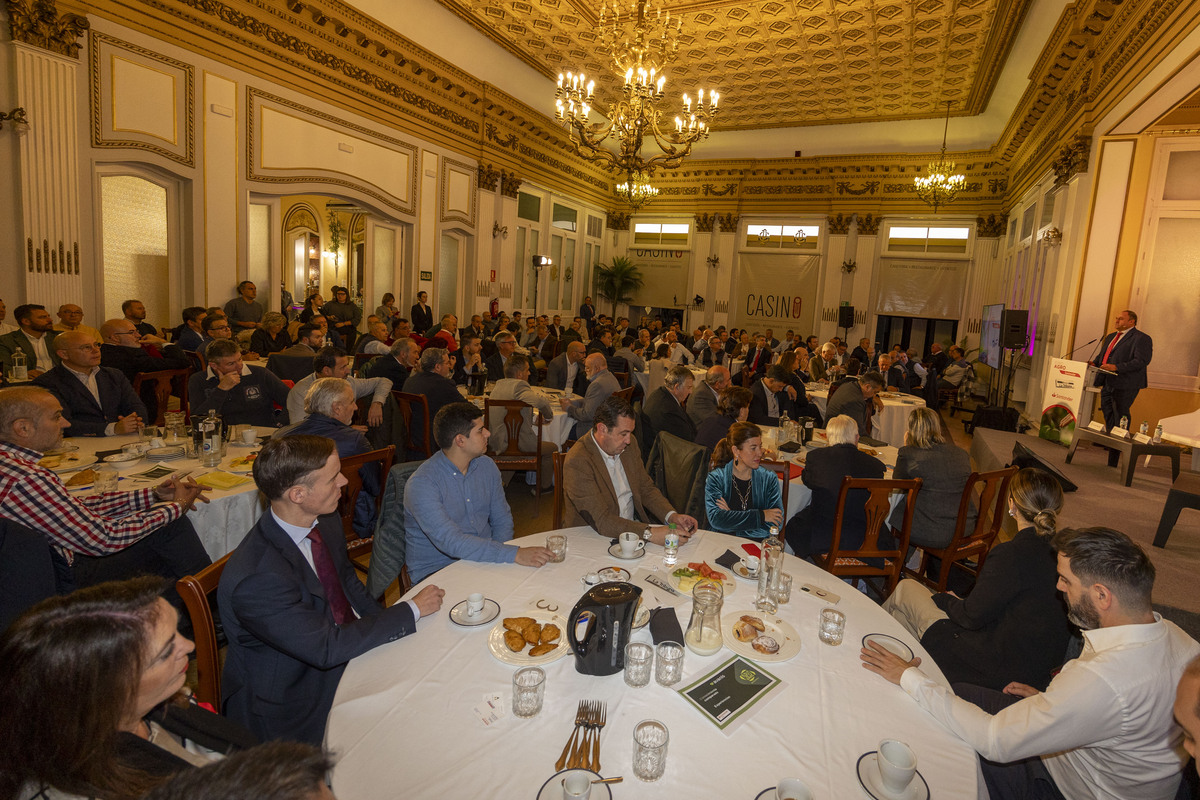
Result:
x=894 y=375
x=125 y=349
x=733 y=405
x=96 y=400
x=1103 y=727
x=956 y=371
x=713 y=354
x=374 y=341
x=332 y=362
x=811 y=531
x=70 y=318
x=856 y=400
x=853 y=370
x=515 y=386
x=943 y=468
x=772 y=398
x=106 y=537
x=454 y=504
x=271 y=335
x=605 y=484
x=432 y=380
x=822 y=367
x=631 y=351
x=309 y=339
x=329 y=408
x=506 y=345
x=601 y=385
x=1013 y=624
x=291 y=603
x=397 y=365
x=90 y=701
x=663 y=410
x=657 y=367
x=241 y=394
x=703 y=401
x=271 y=771
x=245 y=311
x=468 y=363
x=740 y=497
x=190 y=336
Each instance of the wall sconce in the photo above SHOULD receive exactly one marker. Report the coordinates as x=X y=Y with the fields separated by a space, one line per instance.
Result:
x=499 y=231
x=17 y=115
x=849 y=266
x=714 y=261
x=1052 y=237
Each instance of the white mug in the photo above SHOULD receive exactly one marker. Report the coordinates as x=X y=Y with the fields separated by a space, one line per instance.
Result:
x=629 y=543
x=897 y=765
x=577 y=786
x=793 y=789
x=474 y=604
x=750 y=563
x=249 y=436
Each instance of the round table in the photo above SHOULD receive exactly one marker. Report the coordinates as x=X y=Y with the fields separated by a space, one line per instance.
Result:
x=403 y=724
x=889 y=425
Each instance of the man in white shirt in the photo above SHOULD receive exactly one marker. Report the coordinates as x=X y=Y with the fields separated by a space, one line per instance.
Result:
x=1187 y=706
x=678 y=353
x=332 y=362
x=1103 y=727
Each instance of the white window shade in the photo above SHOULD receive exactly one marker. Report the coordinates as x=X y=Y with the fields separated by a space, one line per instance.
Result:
x=921 y=288
x=775 y=291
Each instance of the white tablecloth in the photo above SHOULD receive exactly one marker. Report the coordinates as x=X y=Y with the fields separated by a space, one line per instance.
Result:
x=889 y=425
x=222 y=522
x=402 y=722
x=1184 y=430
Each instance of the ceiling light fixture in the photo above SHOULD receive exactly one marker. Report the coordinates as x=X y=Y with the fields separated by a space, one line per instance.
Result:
x=942 y=184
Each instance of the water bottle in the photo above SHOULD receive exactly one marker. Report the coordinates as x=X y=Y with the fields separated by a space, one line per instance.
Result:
x=1145 y=428
x=770 y=565
x=210 y=442
x=20 y=370
x=671 y=545
x=785 y=428
x=1157 y=434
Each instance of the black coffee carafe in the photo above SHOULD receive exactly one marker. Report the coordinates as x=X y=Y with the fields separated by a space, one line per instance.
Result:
x=600 y=625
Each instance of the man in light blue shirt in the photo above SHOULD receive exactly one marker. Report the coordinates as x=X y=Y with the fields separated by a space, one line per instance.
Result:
x=454 y=505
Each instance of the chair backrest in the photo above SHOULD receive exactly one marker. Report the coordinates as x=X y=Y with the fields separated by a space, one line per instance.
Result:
x=784 y=470
x=513 y=421
x=166 y=383
x=361 y=359
x=195 y=591
x=417 y=441
x=290 y=368
x=28 y=572
x=354 y=483
x=626 y=393
x=559 y=505
x=989 y=491
x=678 y=468
x=622 y=378
x=197 y=359
x=877 y=508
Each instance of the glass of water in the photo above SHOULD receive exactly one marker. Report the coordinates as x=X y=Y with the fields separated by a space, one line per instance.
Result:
x=639 y=658
x=557 y=545
x=668 y=664
x=650 y=750
x=833 y=626
x=529 y=689
x=783 y=593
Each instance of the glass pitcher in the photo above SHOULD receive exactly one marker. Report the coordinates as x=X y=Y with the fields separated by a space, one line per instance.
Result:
x=703 y=635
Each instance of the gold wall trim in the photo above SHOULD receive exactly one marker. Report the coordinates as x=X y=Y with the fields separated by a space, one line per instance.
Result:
x=38 y=23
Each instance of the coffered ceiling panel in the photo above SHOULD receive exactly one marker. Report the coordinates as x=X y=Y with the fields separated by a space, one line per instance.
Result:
x=782 y=63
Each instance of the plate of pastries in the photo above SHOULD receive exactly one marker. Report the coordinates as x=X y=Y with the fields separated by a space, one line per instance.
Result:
x=529 y=640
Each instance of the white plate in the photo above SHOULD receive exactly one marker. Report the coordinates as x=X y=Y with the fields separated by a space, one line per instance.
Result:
x=552 y=789
x=613 y=574
x=739 y=569
x=777 y=629
x=728 y=584
x=868 y=778
x=641 y=616
x=459 y=615
x=889 y=643
x=614 y=550
x=122 y=458
x=69 y=462
x=523 y=659
x=241 y=469
x=255 y=443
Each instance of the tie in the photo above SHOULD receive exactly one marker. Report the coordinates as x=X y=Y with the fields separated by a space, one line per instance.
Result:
x=327 y=575
x=1111 y=345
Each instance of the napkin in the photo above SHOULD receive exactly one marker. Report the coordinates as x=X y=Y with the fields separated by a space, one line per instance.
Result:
x=728 y=559
x=222 y=480
x=664 y=626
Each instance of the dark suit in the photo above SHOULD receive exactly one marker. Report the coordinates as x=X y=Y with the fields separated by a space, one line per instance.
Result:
x=757 y=361
x=591 y=500
x=709 y=359
x=285 y=654
x=848 y=399
x=897 y=376
x=599 y=388
x=132 y=360
x=863 y=359
x=556 y=375
x=1131 y=356
x=597 y=346
x=387 y=367
x=587 y=312
x=17 y=340
x=438 y=392
x=702 y=404
x=87 y=417
x=811 y=531
x=421 y=318
x=662 y=412
x=758 y=405
x=495 y=367
x=944 y=469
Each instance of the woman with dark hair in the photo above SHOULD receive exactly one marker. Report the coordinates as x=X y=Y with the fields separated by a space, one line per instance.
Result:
x=86 y=688
x=343 y=316
x=1013 y=625
x=733 y=405
x=312 y=307
x=740 y=497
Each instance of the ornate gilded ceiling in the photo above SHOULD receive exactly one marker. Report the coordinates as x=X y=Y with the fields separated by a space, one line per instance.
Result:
x=781 y=63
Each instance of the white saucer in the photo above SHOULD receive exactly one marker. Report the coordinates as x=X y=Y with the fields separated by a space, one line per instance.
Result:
x=120 y=458
x=613 y=574
x=552 y=789
x=868 y=778
x=889 y=643
x=740 y=570
x=460 y=617
x=614 y=550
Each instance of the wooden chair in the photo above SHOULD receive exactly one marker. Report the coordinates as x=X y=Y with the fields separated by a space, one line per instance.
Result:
x=422 y=442
x=513 y=457
x=560 y=507
x=357 y=548
x=991 y=491
x=850 y=563
x=195 y=591
x=626 y=394
x=361 y=359
x=622 y=378
x=197 y=359
x=167 y=383
x=784 y=470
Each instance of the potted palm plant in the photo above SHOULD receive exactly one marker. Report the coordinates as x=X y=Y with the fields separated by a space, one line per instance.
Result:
x=615 y=279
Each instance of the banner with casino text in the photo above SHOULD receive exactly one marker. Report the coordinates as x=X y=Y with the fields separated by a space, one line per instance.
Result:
x=775 y=291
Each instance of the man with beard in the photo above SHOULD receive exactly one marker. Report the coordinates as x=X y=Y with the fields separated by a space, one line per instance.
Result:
x=1104 y=726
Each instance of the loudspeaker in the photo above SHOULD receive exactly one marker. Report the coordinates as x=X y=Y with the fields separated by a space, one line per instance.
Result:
x=1014 y=326
x=845 y=316
x=1023 y=457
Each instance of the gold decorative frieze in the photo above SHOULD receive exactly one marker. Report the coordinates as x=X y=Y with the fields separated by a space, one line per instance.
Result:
x=868 y=224
x=618 y=220
x=839 y=224
x=1072 y=159
x=38 y=23
x=992 y=226
x=510 y=184
x=488 y=176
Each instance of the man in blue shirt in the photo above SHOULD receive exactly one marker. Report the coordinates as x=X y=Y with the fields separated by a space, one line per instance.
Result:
x=454 y=506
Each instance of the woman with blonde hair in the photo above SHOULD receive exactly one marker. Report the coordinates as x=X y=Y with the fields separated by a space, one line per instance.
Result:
x=271 y=335
x=944 y=469
x=741 y=497
x=1013 y=626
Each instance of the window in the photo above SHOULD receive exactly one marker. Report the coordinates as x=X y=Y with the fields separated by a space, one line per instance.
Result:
x=783 y=237
x=595 y=226
x=908 y=239
x=662 y=233
x=529 y=206
x=564 y=217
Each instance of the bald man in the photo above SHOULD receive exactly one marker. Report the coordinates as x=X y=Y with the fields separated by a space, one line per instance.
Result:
x=70 y=318
x=601 y=385
x=565 y=371
x=96 y=400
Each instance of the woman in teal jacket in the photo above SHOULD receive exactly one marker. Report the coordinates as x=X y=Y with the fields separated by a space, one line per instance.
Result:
x=740 y=497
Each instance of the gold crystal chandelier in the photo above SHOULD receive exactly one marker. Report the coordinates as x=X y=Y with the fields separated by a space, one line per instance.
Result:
x=942 y=184
x=641 y=44
x=636 y=190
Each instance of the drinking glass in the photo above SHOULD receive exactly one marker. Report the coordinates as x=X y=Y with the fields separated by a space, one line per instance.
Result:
x=668 y=665
x=529 y=688
x=783 y=593
x=638 y=659
x=650 y=750
x=557 y=545
x=833 y=626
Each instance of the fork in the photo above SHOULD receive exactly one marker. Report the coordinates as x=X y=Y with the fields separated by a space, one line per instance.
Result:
x=580 y=716
x=601 y=717
x=579 y=756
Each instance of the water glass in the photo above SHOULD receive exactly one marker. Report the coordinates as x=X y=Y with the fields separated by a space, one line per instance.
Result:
x=529 y=688
x=668 y=665
x=833 y=626
x=650 y=750
x=105 y=481
x=783 y=593
x=638 y=659
x=557 y=545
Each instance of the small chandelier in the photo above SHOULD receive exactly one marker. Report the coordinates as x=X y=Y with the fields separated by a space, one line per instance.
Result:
x=636 y=190
x=941 y=185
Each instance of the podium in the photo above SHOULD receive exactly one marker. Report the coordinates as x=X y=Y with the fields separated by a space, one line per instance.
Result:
x=1068 y=397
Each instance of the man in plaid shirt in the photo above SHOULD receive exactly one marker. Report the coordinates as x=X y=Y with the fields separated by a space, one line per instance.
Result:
x=103 y=537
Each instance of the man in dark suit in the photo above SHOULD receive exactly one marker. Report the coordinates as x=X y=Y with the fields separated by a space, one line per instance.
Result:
x=894 y=376
x=556 y=327
x=497 y=363
x=603 y=343
x=96 y=400
x=433 y=381
x=811 y=531
x=852 y=399
x=1122 y=360
x=397 y=365
x=703 y=402
x=714 y=354
x=758 y=359
x=541 y=349
x=292 y=606
x=568 y=365
x=601 y=385
x=474 y=330
x=122 y=349
x=664 y=408
x=587 y=311
x=591 y=496
x=421 y=315
x=34 y=337
x=772 y=397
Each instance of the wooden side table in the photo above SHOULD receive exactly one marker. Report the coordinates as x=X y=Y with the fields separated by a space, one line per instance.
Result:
x=1129 y=450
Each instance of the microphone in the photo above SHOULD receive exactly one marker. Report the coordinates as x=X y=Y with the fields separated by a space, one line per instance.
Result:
x=1077 y=349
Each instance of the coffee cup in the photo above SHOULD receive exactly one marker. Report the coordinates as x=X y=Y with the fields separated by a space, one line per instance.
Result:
x=629 y=543
x=577 y=786
x=897 y=765
x=249 y=436
x=750 y=563
x=793 y=789
x=474 y=604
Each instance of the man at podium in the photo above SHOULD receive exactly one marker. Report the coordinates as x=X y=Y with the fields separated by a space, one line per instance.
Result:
x=1121 y=364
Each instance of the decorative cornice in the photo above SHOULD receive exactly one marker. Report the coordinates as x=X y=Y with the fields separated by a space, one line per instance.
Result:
x=510 y=184
x=868 y=224
x=489 y=176
x=839 y=224
x=618 y=220
x=728 y=222
x=991 y=227
x=38 y=23
x=705 y=222
x=1072 y=159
